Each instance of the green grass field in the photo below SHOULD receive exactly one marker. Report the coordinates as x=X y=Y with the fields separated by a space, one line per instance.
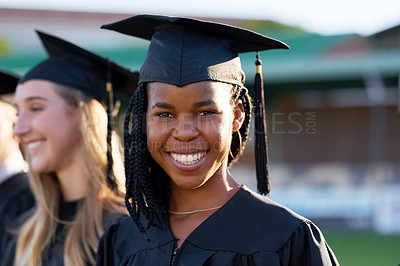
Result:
x=364 y=248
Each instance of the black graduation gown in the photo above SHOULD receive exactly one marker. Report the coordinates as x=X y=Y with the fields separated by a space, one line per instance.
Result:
x=53 y=255
x=248 y=230
x=15 y=199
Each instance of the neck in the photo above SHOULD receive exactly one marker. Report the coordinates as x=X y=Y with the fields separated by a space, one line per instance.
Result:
x=74 y=181
x=210 y=196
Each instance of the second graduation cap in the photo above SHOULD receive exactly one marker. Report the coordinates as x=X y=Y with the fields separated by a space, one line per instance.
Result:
x=185 y=50
x=75 y=67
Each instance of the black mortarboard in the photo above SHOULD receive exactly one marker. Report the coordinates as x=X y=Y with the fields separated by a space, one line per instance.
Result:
x=185 y=50
x=8 y=83
x=92 y=74
x=80 y=69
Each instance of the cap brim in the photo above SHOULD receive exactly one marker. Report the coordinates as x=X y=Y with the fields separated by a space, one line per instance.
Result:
x=144 y=26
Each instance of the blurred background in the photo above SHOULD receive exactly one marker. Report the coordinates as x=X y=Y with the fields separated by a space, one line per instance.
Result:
x=331 y=100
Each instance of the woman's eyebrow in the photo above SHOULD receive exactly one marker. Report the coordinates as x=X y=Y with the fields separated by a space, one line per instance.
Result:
x=205 y=103
x=32 y=98
x=162 y=105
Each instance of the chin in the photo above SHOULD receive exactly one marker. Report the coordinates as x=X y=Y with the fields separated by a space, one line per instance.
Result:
x=39 y=168
x=188 y=184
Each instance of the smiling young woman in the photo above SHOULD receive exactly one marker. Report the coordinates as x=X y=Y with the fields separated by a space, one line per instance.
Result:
x=49 y=129
x=190 y=140
x=186 y=123
x=64 y=127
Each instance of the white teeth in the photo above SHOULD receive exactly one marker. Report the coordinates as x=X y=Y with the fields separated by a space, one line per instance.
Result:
x=188 y=159
x=34 y=145
x=183 y=159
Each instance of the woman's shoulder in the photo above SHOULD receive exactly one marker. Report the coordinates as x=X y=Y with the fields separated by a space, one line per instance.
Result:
x=112 y=240
x=125 y=230
x=124 y=239
x=121 y=227
x=263 y=208
x=253 y=224
x=308 y=246
x=249 y=223
x=111 y=218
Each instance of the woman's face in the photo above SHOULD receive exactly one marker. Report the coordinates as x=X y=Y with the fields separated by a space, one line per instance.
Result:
x=46 y=126
x=189 y=130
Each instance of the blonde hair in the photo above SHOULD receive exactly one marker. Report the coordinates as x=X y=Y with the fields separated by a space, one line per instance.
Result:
x=82 y=240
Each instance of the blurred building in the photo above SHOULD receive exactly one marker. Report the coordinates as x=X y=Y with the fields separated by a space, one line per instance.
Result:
x=334 y=133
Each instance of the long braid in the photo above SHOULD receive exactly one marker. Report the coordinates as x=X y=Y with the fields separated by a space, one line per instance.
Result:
x=147 y=185
x=129 y=144
x=239 y=92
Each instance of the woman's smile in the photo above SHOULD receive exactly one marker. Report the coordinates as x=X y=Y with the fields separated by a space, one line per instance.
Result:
x=188 y=161
x=34 y=146
x=189 y=158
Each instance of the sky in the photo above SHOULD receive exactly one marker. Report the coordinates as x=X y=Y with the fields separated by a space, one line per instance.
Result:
x=364 y=17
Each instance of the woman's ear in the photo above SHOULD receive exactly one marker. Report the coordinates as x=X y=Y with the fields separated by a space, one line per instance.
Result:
x=238 y=115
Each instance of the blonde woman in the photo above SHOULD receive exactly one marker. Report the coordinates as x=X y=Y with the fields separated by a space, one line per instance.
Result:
x=65 y=130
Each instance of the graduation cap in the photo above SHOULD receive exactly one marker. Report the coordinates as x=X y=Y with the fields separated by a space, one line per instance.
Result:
x=185 y=50
x=98 y=77
x=75 y=67
x=8 y=83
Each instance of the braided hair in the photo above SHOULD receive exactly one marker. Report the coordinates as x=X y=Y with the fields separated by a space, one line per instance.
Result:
x=147 y=184
x=240 y=93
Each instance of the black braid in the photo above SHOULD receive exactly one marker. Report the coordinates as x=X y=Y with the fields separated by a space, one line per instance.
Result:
x=130 y=203
x=147 y=185
x=240 y=92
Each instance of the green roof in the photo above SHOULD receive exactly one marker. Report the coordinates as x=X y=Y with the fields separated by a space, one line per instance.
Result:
x=307 y=62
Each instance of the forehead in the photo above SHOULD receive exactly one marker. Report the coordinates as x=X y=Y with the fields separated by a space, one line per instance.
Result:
x=216 y=91
x=34 y=88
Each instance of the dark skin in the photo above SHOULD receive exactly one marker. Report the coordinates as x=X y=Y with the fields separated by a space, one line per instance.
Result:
x=195 y=121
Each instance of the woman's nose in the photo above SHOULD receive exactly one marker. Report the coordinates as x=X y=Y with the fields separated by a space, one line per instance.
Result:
x=22 y=126
x=185 y=129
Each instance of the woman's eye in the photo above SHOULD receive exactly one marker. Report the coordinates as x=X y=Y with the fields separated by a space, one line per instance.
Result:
x=206 y=113
x=164 y=115
x=36 y=108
